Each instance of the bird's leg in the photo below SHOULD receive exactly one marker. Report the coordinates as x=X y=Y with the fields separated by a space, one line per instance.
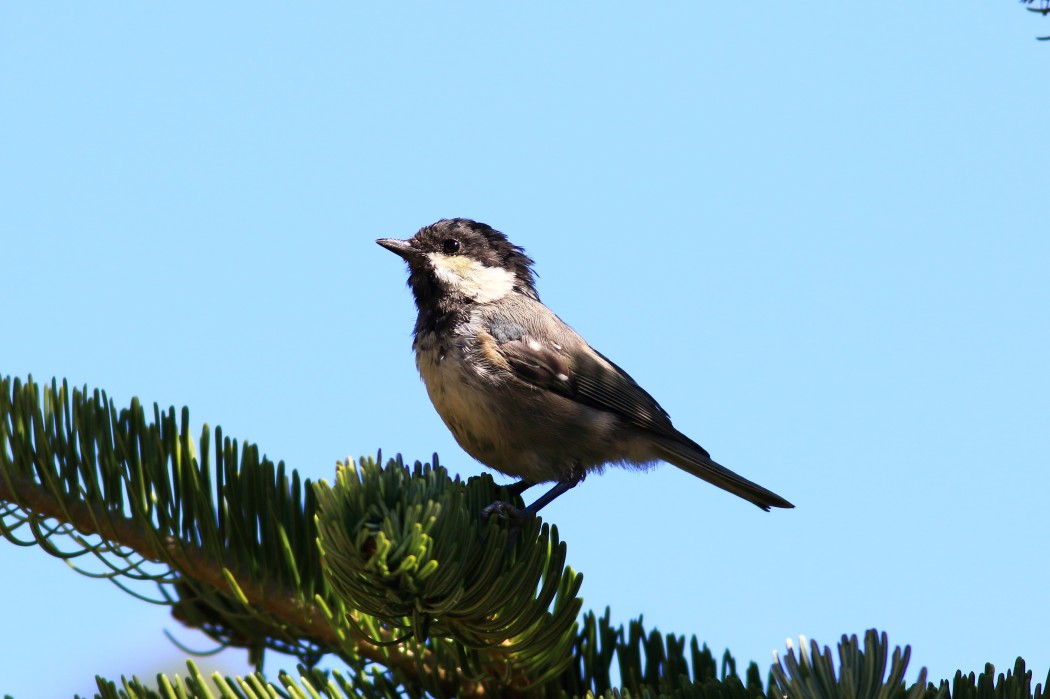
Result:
x=574 y=478
x=517 y=515
x=516 y=489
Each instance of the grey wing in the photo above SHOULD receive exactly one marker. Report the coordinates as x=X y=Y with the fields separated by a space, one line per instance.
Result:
x=552 y=356
x=549 y=355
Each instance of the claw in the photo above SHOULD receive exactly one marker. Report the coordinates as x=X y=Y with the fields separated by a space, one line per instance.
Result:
x=504 y=510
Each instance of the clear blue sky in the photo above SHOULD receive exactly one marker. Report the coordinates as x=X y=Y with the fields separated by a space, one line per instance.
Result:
x=810 y=229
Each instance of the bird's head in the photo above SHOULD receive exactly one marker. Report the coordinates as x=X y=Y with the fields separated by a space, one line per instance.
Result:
x=458 y=260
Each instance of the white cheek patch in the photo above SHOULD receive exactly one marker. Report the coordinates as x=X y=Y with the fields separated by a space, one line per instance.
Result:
x=471 y=278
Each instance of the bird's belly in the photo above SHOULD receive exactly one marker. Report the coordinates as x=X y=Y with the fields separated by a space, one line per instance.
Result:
x=521 y=430
x=474 y=406
x=463 y=401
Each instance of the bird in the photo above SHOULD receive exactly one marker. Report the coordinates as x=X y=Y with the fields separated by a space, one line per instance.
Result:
x=520 y=390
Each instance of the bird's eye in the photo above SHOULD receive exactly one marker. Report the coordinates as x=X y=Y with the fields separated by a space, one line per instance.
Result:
x=450 y=246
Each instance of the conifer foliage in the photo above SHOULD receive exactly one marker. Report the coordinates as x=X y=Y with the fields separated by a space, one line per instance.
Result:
x=390 y=569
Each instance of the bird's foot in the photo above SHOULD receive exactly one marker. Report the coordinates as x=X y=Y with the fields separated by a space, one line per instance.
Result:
x=515 y=516
x=504 y=510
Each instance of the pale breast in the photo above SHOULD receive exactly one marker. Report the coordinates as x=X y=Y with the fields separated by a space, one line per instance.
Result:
x=462 y=397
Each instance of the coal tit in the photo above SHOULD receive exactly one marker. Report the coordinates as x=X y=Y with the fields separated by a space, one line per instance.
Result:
x=521 y=391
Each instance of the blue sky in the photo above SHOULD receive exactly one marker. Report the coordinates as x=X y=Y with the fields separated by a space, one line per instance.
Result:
x=810 y=230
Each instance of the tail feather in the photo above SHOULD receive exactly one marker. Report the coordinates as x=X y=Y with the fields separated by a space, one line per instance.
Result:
x=693 y=459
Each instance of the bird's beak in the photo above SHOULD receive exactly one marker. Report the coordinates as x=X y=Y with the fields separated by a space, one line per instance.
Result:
x=401 y=248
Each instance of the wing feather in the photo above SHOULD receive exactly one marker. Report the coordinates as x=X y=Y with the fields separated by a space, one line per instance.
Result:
x=586 y=376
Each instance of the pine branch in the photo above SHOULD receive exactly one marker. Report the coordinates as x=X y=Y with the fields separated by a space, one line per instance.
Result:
x=130 y=533
x=241 y=562
x=390 y=569
x=812 y=674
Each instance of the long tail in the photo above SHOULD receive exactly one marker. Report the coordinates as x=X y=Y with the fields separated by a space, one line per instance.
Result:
x=692 y=458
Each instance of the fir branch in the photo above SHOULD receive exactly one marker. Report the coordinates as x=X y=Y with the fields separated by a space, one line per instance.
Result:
x=41 y=504
x=308 y=620
x=238 y=547
x=240 y=554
